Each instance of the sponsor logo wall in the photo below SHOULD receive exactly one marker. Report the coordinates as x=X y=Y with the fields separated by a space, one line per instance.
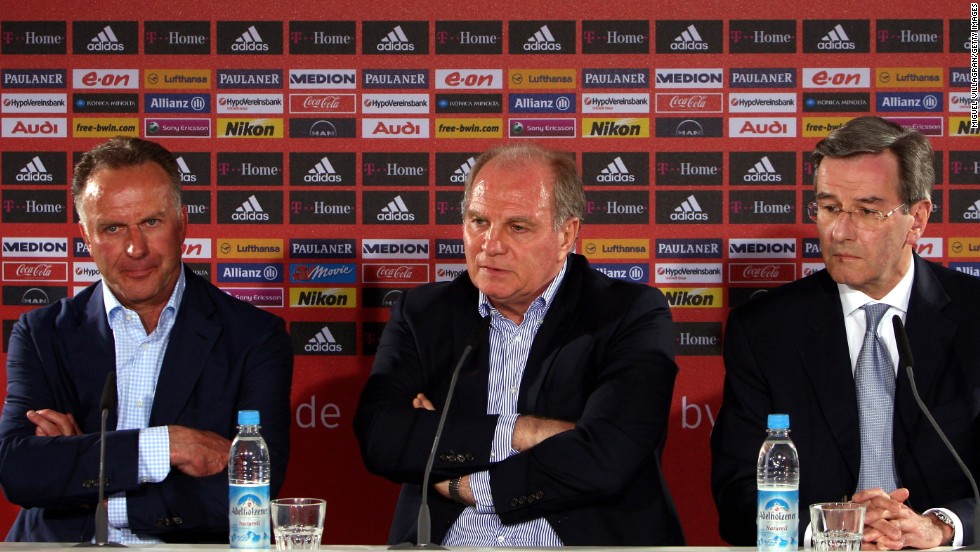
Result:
x=323 y=158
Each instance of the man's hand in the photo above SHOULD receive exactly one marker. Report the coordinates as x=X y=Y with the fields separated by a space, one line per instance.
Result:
x=51 y=423
x=197 y=453
x=421 y=401
x=529 y=431
x=891 y=525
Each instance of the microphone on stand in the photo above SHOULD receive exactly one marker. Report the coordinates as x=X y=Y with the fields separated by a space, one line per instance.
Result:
x=425 y=522
x=906 y=361
x=106 y=404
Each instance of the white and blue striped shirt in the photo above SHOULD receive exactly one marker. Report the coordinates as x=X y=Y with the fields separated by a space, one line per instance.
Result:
x=510 y=345
x=138 y=361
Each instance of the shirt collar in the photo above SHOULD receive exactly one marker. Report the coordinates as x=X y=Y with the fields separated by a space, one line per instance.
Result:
x=543 y=301
x=113 y=305
x=852 y=299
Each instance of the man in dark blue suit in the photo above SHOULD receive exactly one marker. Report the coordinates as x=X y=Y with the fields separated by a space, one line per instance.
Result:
x=558 y=424
x=796 y=350
x=187 y=356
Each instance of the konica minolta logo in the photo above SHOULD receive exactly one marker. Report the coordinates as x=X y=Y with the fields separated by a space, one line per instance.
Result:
x=105 y=37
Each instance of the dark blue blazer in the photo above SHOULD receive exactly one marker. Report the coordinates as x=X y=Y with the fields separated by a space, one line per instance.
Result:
x=603 y=358
x=224 y=355
x=787 y=351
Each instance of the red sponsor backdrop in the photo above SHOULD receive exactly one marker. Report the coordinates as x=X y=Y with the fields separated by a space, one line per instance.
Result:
x=324 y=144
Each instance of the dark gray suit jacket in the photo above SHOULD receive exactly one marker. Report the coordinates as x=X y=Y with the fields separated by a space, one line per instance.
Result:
x=787 y=352
x=224 y=355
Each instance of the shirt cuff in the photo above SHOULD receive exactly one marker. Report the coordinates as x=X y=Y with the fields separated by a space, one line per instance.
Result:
x=154 y=454
x=116 y=507
x=957 y=525
x=503 y=438
x=480 y=487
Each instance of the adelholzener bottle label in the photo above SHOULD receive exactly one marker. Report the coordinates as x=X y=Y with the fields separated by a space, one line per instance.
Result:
x=249 y=516
x=778 y=519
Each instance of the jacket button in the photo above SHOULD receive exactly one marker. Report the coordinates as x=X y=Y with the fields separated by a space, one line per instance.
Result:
x=460 y=458
x=539 y=495
x=513 y=502
x=469 y=457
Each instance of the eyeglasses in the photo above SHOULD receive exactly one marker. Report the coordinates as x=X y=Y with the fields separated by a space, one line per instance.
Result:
x=862 y=217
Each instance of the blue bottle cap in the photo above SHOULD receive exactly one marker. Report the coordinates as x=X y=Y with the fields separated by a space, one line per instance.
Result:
x=248 y=417
x=779 y=421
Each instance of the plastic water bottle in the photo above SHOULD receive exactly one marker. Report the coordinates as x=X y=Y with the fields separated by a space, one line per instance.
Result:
x=778 y=480
x=248 y=485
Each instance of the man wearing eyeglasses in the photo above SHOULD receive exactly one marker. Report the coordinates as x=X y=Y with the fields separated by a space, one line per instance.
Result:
x=805 y=349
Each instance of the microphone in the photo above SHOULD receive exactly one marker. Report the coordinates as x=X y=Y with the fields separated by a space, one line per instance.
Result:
x=905 y=360
x=425 y=522
x=106 y=404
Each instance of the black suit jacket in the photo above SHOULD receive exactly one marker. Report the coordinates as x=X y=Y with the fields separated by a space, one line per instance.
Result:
x=603 y=358
x=224 y=355
x=787 y=352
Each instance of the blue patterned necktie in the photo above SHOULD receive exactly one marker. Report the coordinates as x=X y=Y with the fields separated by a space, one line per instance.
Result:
x=875 y=382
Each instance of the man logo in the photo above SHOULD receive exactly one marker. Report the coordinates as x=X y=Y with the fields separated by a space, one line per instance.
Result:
x=250 y=210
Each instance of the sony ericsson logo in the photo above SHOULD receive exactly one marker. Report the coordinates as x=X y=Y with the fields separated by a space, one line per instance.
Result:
x=542 y=41
x=763 y=171
x=616 y=171
x=105 y=41
x=396 y=41
x=322 y=173
x=250 y=41
x=250 y=210
x=396 y=210
x=836 y=39
x=689 y=39
x=34 y=171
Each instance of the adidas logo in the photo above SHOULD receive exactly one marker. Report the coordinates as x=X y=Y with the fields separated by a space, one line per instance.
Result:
x=323 y=342
x=973 y=211
x=396 y=210
x=763 y=171
x=396 y=41
x=250 y=41
x=689 y=210
x=460 y=175
x=34 y=172
x=186 y=175
x=105 y=41
x=322 y=173
x=616 y=172
x=542 y=40
x=250 y=210
x=836 y=39
x=690 y=39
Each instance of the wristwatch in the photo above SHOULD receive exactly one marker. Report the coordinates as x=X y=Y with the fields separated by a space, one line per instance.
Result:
x=944 y=517
x=454 y=491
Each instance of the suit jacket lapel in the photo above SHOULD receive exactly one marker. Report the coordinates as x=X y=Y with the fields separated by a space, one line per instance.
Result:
x=92 y=353
x=828 y=365
x=193 y=336
x=473 y=376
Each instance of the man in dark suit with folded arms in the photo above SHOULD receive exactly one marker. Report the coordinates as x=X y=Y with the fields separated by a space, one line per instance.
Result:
x=187 y=358
x=805 y=349
x=556 y=430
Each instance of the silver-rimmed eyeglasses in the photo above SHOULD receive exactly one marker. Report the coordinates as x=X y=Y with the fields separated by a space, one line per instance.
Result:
x=862 y=217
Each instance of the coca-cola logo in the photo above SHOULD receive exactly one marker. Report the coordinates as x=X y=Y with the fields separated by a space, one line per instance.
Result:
x=771 y=272
x=396 y=273
x=35 y=272
x=688 y=102
x=322 y=102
